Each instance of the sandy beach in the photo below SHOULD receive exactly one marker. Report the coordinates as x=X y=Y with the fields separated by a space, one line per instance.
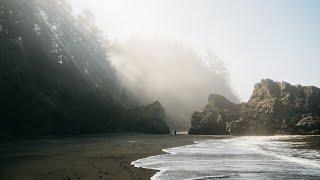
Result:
x=107 y=156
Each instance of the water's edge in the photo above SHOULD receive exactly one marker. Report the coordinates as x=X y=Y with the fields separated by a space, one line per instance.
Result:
x=249 y=157
x=159 y=170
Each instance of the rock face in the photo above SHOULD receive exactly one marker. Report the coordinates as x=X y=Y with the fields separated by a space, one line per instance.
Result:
x=215 y=116
x=147 y=119
x=273 y=108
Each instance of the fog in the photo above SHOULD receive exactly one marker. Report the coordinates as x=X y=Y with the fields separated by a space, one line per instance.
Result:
x=171 y=72
x=152 y=67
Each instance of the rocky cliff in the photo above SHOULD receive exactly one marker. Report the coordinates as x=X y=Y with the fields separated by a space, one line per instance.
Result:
x=215 y=116
x=273 y=108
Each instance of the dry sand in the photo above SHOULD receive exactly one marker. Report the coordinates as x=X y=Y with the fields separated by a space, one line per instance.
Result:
x=107 y=156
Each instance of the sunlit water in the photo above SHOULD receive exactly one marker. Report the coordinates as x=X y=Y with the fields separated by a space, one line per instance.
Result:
x=254 y=157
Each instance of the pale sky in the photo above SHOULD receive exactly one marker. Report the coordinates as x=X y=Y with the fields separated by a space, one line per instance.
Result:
x=277 y=39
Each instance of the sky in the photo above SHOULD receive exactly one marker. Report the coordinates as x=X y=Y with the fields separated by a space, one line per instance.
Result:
x=256 y=39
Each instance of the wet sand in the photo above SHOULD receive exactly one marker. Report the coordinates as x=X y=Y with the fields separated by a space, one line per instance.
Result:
x=107 y=156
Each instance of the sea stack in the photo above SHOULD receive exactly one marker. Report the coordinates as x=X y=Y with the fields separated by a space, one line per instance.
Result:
x=147 y=119
x=273 y=108
x=215 y=116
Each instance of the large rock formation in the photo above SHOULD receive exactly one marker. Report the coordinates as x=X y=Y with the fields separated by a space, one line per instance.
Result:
x=273 y=108
x=147 y=119
x=215 y=116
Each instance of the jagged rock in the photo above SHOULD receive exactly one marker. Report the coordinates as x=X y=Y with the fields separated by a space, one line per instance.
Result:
x=147 y=119
x=279 y=108
x=308 y=125
x=215 y=116
x=273 y=108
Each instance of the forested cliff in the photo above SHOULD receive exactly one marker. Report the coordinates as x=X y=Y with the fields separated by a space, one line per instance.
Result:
x=55 y=74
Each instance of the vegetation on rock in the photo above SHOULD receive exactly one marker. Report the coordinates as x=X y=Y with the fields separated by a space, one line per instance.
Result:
x=274 y=108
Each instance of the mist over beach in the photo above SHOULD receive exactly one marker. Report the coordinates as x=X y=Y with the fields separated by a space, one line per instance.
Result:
x=161 y=90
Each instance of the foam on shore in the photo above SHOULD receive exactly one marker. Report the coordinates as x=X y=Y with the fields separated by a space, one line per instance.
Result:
x=250 y=157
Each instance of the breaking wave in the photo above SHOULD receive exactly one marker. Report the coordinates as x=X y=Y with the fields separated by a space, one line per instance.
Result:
x=249 y=157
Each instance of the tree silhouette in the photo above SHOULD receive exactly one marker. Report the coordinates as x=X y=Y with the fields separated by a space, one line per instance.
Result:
x=55 y=73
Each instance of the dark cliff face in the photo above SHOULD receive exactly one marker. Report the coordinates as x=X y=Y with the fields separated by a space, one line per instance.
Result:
x=55 y=75
x=277 y=108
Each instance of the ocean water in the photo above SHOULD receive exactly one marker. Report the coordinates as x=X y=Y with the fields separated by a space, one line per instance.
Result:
x=250 y=157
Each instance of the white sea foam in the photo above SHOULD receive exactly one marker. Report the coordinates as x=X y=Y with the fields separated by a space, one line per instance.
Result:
x=252 y=157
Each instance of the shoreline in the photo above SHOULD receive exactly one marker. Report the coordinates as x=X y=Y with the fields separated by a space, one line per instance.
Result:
x=101 y=156
x=248 y=157
x=106 y=156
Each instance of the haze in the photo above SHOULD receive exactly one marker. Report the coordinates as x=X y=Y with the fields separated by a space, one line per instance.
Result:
x=99 y=89
x=275 y=39
x=171 y=73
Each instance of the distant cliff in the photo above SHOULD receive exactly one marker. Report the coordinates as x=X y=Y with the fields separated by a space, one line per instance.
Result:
x=273 y=108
